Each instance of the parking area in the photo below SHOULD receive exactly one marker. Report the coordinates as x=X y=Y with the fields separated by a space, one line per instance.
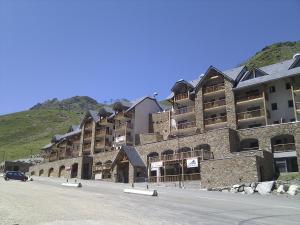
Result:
x=45 y=201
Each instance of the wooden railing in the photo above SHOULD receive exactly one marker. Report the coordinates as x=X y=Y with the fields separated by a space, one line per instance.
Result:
x=181 y=96
x=296 y=88
x=175 y=178
x=203 y=155
x=88 y=127
x=243 y=98
x=284 y=147
x=186 y=125
x=87 y=137
x=103 y=132
x=214 y=88
x=297 y=105
x=102 y=144
x=215 y=120
x=250 y=114
x=123 y=126
x=213 y=104
x=185 y=110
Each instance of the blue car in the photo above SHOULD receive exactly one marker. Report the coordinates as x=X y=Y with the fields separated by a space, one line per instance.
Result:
x=15 y=175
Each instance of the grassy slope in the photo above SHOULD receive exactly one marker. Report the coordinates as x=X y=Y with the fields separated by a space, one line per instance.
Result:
x=273 y=54
x=23 y=132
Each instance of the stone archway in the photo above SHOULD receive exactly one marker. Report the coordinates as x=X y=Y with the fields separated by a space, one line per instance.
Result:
x=32 y=173
x=62 y=171
x=249 y=144
x=50 y=172
x=41 y=172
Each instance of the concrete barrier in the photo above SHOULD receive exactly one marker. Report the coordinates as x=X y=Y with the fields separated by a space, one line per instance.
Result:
x=141 y=192
x=71 y=185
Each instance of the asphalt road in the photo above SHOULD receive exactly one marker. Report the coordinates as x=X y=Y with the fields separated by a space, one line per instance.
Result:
x=45 y=202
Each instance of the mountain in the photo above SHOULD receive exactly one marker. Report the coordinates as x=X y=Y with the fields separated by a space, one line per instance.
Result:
x=75 y=104
x=26 y=132
x=273 y=53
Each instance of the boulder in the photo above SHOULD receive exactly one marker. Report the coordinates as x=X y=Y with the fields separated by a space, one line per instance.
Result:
x=248 y=190
x=233 y=190
x=264 y=188
x=225 y=191
x=293 y=189
x=280 y=189
x=253 y=185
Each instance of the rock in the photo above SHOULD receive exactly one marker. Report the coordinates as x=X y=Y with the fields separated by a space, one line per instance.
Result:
x=248 y=190
x=233 y=190
x=293 y=189
x=253 y=185
x=280 y=189
x=225 y=191
x=264 y=188
x=241 y=188
x=236 y=186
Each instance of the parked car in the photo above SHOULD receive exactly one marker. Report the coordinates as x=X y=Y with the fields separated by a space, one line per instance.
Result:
x=15 y=175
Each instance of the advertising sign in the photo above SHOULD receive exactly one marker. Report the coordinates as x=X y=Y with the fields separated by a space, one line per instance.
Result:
x=192 y=162
x=156 y=164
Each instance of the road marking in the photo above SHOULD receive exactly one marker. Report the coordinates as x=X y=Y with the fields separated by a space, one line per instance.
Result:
x=229 y=200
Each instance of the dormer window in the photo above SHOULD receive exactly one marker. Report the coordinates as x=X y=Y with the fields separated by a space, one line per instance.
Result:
x=254 y=74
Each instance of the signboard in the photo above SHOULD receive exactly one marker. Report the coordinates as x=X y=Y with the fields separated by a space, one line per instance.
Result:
x=192 y=162
x=156 y=164
x=120 y=139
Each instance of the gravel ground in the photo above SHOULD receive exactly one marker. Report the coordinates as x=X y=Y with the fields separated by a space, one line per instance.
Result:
x=45 y=202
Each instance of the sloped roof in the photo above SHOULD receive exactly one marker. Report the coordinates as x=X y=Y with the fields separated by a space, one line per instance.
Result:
x=133 y=156
x=74 y=128
x=274 y=71
x=93 y=114
x=192 y=83
x=234 y=73
x=139 y=100
x=47 y=146
x=105 y=110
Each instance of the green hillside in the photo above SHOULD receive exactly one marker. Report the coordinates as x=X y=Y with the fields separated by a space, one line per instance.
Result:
x=25 y=132
x=274 y=53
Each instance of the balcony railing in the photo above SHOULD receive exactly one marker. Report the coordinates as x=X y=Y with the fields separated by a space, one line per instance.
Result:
x=103 y=144
x=103 y=132
x=175 y=178
x=214 y=104
x=203 y=155
x=86 y=148
x=123 y=126
x=88 y=127
x=186 y=125
x=106 y=166
x=214 y=88
x=181 y=96
x=215 y=120
x=123 y=139
x=296 y=88
x=87 y=137
x=185 y=110
x=243 y=98
x=284 y=147
x=250 y=114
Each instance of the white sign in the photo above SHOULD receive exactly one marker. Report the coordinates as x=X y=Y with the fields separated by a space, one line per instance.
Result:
x=192 y=162
x=120 y=139
x=156 y=164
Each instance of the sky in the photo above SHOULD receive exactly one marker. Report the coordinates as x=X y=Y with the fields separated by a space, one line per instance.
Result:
x=111 y=49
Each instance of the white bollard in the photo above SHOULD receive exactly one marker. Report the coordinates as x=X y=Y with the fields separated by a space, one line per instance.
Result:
x=141 y=192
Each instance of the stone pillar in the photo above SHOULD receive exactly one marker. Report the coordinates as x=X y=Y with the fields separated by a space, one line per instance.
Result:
x=93 y=138
x=230 y=105
x=81 y=141
x=264 y=143
x=131 y=173
x=297 y=145
x=199 y=110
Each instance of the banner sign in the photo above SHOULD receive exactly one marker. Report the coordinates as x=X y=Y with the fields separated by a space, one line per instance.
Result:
x=156 y=164
x=192 y=162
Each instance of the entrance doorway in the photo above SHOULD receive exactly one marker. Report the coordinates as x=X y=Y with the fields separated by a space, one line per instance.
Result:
x=74 y=170
x=123 y=172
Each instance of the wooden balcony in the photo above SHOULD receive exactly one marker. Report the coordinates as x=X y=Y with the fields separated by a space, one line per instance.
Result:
x=251 y=114
x=181 y=97
x=122 y=116
x=296 y=88
x=249 y=98
x=103 y=144
x=214 y=88
x=187 y=125
x=214 y=104
x=87 y=137
x=106 y=166
x=215 y=120
x=88 y=127
x=103 y=133
x=106 y=122
x=203 y=155
x=297 y=104
x=289 y=147
x=123 y=126
x=175 y=178
x=185 y=110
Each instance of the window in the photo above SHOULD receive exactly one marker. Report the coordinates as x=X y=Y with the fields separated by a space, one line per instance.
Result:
x=293 y=120
x=276 y=122
x=223 y=114
x=254 y=125
x=272 y=89
x=274 y=106
x=290 y=103
x=288 y=86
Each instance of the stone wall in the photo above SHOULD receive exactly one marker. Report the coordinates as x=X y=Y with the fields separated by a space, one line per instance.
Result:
x=56 y=165
x=229 y=171
x=160 y=123
x=230 y=105
x=150 y=138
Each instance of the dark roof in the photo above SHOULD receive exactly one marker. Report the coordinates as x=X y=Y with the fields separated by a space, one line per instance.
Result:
x=74 y=128
x=133 y=156
x=139 y=100
x=105 y=111
x=93 y=114
x=274 y=72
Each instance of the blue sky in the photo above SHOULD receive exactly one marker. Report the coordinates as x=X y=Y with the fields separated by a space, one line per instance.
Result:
x=109 y=49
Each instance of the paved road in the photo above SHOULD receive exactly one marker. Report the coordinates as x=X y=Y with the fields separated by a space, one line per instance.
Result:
x=45 y=202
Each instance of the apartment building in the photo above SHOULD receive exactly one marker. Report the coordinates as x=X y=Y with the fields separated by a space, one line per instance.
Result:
x=225 y=127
